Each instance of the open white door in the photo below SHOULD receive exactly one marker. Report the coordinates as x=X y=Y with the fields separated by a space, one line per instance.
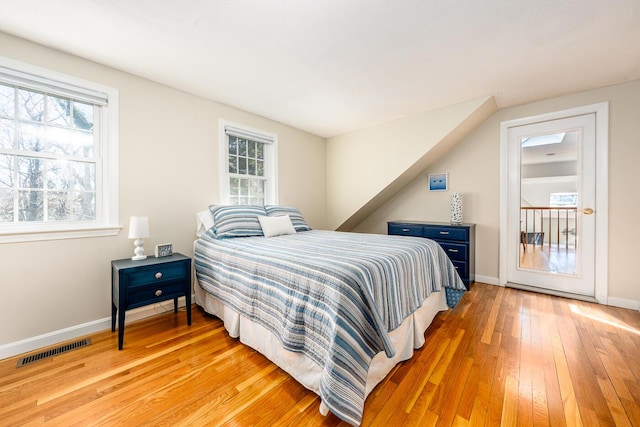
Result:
x=551 y=201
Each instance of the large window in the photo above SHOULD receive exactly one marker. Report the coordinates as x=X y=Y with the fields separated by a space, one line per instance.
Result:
x=248 y=165
x=58 y=155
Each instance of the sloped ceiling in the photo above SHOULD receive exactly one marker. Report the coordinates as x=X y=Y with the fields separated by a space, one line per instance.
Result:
x=334 y=66
x=367 y=167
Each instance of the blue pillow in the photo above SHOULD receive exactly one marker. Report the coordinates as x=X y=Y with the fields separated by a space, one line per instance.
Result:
x=237 y=221
x=299 y=224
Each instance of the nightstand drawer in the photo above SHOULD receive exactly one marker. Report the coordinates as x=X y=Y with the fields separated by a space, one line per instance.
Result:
x=455 y=251
x=156 y=274
x=149 y=294
x=405 y=230
x=447 y=233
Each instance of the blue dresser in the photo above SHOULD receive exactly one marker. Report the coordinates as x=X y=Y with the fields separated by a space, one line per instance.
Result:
x=457 y=240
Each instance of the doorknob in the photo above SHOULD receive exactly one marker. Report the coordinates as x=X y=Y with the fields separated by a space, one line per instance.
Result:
x=587 y=211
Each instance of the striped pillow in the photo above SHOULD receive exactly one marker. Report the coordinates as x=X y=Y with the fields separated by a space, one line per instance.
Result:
x=296 y=217
x=237 y=221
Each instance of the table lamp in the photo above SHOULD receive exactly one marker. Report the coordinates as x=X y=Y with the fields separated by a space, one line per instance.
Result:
x=138 y=229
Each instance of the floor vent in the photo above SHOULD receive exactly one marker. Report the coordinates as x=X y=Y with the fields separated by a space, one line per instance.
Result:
x=53 y=352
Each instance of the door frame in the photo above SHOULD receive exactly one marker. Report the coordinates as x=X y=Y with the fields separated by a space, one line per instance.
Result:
x=601 y=111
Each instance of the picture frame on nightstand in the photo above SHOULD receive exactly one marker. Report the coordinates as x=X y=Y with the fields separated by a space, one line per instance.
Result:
x=163 y=250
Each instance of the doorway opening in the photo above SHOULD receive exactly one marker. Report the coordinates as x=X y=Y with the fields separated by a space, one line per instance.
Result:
x=553 y=222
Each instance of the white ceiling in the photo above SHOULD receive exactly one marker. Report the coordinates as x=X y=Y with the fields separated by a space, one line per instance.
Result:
x=565 y=151
x=333 y=66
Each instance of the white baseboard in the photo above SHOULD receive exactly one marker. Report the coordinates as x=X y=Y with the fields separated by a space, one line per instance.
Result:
x=624 y=303
x=488 y=280
x=51 y=338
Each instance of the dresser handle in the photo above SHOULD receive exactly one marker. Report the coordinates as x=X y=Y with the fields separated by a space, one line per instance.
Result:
x=158 y=275
x=405 y=230
x=159 y=292
x=453 y=250
x=444 y=232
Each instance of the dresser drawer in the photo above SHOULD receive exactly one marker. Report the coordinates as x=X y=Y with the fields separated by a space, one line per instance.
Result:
x=157 y=274
x=447 y=233
x=144 y=295
x=455 y=251
x=457 y=241
x=406 y=229
x=462 y=268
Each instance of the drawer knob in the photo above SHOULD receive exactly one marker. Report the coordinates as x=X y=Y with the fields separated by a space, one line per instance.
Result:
x=405 y=230
x=453 y=250
x=444 y=232
x=158 y=275
x=159 y=292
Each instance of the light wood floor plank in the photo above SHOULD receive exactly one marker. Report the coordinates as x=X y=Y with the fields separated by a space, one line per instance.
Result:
x=540 y=406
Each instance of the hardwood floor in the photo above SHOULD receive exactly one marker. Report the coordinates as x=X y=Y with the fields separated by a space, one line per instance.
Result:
x=501 y=357
x=554 y=259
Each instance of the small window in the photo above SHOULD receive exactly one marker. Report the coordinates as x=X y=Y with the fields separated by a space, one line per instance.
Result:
x=563 y=199
x=58 y=155
x=249 y=166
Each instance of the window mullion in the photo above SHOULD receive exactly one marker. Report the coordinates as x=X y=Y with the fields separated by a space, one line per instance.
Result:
x=14 y=188
x=45 y=192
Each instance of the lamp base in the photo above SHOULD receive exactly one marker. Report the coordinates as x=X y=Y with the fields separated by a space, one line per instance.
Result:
x=138 y=251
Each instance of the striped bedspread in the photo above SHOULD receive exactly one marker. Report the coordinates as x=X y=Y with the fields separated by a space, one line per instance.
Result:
x=333 y=296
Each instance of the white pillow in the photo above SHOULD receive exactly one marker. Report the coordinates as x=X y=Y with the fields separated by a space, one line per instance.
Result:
x=204 y=221
x=276 y=225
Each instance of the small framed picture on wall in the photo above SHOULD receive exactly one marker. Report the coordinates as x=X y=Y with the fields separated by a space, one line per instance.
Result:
x=438 y=182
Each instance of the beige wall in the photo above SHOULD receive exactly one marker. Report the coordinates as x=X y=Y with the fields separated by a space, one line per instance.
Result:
x=474 y=169
x=53 y=285
x=168 y=171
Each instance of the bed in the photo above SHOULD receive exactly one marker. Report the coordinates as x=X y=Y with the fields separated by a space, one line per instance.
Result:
x=335 y=310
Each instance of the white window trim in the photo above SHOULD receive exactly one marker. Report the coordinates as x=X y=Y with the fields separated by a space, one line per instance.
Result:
x=271 y=164
x=107 y=223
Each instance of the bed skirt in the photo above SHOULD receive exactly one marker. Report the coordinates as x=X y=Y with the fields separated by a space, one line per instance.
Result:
x=407 y=337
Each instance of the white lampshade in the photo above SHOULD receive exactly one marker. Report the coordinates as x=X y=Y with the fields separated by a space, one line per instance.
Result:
x=138 y=227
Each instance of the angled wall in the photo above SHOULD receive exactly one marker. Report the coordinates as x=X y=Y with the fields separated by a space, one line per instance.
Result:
x=367 y=167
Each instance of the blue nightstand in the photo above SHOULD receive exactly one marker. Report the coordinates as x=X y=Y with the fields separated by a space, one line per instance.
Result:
x=139 y=283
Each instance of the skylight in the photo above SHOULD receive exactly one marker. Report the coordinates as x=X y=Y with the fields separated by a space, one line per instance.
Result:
x=535 y=141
